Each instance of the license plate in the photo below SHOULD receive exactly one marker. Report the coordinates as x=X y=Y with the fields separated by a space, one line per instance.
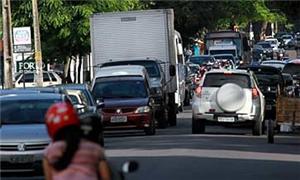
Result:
x=226 y=119
x=22 y=159
x=268 y=107
x=118 y=119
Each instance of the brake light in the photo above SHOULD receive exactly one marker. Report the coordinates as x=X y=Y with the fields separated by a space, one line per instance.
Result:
x=198 y=91
x=255 y=93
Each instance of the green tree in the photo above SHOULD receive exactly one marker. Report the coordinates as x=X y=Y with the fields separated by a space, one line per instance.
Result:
x=64 y=25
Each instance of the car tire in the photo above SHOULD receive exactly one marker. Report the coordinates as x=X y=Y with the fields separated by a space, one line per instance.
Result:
x=198 y=126
x=271 y=131
x=257 y=127
x=151 y=129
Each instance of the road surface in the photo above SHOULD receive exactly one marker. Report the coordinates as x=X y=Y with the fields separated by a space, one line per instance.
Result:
x=222 y=153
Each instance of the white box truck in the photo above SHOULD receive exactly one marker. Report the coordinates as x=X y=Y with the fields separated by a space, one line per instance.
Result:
x=146 y=35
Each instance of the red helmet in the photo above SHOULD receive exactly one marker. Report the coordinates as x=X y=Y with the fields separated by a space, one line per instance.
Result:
x=60 y=115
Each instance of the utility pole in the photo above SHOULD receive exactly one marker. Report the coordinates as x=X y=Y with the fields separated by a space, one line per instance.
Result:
x=37 y=44
x=7 y=46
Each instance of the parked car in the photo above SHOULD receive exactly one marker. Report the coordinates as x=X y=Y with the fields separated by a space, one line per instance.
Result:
x=274 y=63
x=228 y=97
x=29 y=79
x=125 y=92
x=23 y=132
x=271 y=83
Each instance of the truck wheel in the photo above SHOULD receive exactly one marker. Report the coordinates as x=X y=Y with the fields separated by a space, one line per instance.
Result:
x=151 y=129
x=162 y=119
x=172 y=111
x=172 y=116
x=257 y=127
x=198 y=126
x=270 y=131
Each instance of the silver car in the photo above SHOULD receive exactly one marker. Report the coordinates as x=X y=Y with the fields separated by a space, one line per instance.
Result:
x=23 y=132
x=228 y=96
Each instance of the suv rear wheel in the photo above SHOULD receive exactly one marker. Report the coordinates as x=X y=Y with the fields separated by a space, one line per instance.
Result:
x=198 y=126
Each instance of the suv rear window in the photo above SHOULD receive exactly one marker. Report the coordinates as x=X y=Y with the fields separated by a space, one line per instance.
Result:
x=219 y=79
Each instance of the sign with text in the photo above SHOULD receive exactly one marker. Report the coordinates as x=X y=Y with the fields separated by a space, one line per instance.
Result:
x=28 y=65
x=21 y=39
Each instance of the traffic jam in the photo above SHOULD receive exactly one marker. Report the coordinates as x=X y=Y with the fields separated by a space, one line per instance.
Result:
x=144 y=86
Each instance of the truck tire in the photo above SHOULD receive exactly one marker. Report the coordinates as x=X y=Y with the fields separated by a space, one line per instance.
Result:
x=198 y=126
x=162 y=119
x=172 y=111
x=257 y=127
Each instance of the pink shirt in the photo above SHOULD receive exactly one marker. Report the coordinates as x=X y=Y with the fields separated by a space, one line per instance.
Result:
x=84 y=164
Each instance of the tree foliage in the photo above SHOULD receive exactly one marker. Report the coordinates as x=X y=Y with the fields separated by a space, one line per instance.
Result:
x=64 y=24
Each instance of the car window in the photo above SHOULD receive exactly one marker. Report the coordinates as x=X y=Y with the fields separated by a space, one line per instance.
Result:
x=201 y=59
x=219 y=79
x=46 y=77
x=52 y=77
x=28 y=77
x=120 y=89
x=24 y=111
x=74 y=99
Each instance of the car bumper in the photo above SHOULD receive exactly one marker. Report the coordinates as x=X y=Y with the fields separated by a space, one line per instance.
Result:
x=135 y=121
x=17 y=161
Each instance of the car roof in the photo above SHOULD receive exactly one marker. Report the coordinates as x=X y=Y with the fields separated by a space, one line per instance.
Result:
x=72 y=86
x=122 y=70
x=273 y=61
x=223 y=55
x=294 y=61
x=261 y=68
x=30 y=96
x=234 y=71
x=29 y=90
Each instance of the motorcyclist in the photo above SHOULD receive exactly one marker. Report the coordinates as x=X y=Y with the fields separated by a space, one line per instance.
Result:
x=70 y=155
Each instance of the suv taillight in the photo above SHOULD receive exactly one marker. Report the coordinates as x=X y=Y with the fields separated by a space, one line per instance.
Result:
x=198 y=91
x=255 y=93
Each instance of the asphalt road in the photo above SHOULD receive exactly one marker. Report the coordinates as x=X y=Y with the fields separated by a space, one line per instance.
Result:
x=222 y=153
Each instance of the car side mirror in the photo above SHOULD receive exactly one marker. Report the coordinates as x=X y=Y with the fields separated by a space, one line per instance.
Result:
x=130 y=166
x=100 y=103
x=172 y=70
x=79 y=107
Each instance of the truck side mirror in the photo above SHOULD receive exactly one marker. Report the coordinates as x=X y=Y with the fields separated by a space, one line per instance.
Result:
x=172 y=70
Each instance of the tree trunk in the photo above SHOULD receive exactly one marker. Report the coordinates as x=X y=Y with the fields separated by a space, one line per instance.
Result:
x=263 y=30
x=79 y=69
x=67 y=75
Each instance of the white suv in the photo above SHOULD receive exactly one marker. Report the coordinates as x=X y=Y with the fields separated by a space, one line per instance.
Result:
x=228 y=97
